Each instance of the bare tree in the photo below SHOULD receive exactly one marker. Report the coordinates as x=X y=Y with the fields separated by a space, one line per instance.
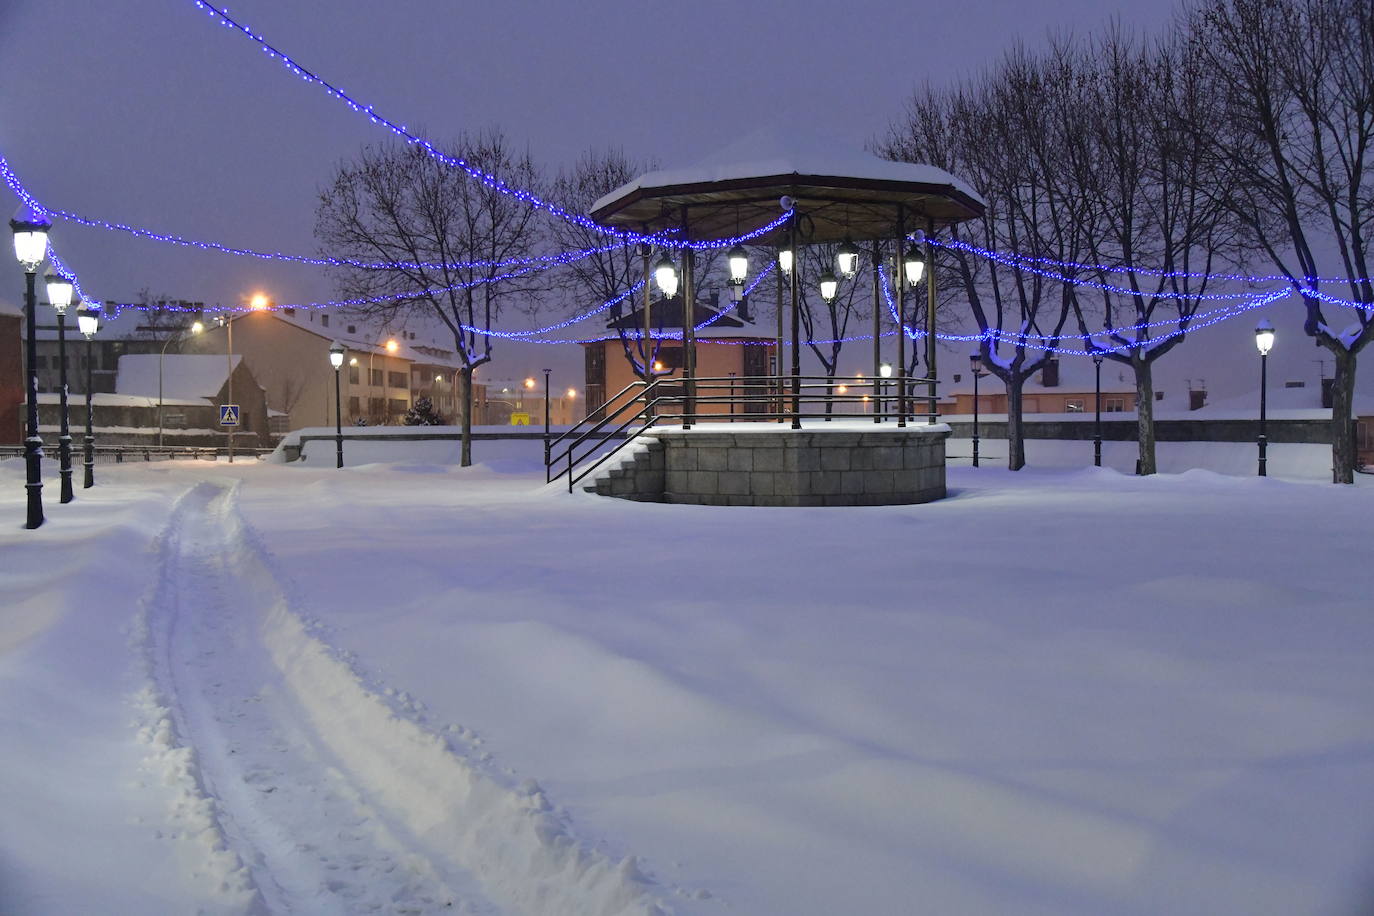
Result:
x=1003 y=132
x=1140 y=158
x=827 y=323
x=446 y=237
x=1295 y=136
x=613 y=268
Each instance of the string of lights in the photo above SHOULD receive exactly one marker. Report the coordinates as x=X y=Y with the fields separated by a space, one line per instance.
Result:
x=1143 y=271
x=488 y=179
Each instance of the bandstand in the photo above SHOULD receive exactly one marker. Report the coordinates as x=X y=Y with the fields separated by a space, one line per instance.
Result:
x=676 y=436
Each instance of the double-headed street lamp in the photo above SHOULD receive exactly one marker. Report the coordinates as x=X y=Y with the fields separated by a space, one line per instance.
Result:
x=1264 y=342
x=336 y=359
x=88 y=320
x=30 y=230
x=60 y=291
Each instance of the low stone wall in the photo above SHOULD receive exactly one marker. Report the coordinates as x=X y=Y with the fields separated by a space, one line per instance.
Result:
x=784 y=467
x=1310 y=431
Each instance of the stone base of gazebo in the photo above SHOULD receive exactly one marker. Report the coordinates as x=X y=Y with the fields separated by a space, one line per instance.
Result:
x=841 y=463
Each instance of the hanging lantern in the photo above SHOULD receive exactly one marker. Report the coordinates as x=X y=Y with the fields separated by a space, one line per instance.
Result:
x=785 y=260
x=665 y=275
x=739 y=264
x=88 y=319
x=847 y=259
x=59 y=292
x=914 y=265
x=829 y=286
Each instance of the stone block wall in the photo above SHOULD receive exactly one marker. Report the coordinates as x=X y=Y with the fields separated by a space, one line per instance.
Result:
x=784 y=468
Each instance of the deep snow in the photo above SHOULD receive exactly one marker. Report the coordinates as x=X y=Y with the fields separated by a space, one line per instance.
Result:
x=408 y=685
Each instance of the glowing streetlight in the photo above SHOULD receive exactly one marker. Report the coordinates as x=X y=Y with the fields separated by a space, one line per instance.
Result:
x=847 y=259
x=830 y=287
x=31 y=247
x=1264 y=342
x=336 y=359
x=739 y=264
x=88 y=321
x=913 y=264
x=60 y=291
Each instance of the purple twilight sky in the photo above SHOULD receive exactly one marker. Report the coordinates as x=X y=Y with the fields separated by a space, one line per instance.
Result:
x=147 y=112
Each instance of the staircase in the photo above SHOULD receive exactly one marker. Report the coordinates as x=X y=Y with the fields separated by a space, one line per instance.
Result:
x=637 y=473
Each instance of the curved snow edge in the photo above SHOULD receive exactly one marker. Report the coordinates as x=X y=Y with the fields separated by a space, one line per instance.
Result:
x=521 y=851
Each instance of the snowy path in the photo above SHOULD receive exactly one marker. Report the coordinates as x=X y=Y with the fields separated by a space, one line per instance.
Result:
x=307 y=789
x=311 y=838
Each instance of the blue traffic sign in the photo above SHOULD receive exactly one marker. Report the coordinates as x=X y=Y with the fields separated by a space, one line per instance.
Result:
x=228 y=415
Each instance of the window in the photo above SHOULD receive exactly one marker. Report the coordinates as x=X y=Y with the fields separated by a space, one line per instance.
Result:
x=352 y=329
x=288 y=311
x=1073 y=405
x=324 y=320
x=396 y=379
x=1159 y=395
x=375 y=406
x=375 y=377
x=353 y=407
x=352 y=375
x=1114 y=405
x=397 y=406
x=174 y=420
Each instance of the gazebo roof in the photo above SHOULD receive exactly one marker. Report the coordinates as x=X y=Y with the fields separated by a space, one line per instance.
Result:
x=843 y=192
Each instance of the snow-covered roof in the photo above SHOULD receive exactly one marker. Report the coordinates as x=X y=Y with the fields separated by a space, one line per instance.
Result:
x=9 y=308
x=183 y=375
x=106 y=399
x=783 y=150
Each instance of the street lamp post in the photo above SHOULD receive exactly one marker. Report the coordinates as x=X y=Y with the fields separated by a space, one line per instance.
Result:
x=60 y=291
x=976 y=361
x=336 y=359
x=88 y=320
x=31 y=247
x=1097 y=410
x=546 y=416
x=1264 y=341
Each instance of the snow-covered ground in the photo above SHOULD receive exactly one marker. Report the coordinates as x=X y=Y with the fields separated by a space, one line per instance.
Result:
x=407 y=687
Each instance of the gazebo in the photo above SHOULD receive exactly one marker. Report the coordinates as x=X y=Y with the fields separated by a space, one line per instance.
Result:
x=856 y=200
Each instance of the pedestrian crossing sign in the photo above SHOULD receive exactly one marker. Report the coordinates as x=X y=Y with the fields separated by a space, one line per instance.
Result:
x=228 y=415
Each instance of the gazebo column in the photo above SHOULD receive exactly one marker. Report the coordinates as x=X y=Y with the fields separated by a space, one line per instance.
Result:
x=689 y=294
x=877 y=332
x=646 y=351
x=777 y=353
x=930 y=318
x=796 y=326
x=899 y=280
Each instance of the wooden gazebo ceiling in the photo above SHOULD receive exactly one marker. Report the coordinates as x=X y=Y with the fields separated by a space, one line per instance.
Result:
x=833 y=207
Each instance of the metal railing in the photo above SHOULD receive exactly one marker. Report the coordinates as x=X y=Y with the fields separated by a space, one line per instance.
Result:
x=122 y=453
x=641 y=406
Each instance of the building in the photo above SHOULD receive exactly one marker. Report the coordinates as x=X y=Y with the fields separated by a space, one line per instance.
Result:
x=11 y=375
x=728 y=346
x=204 y=381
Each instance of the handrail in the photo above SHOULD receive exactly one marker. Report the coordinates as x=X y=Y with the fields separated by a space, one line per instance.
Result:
x=645 y=409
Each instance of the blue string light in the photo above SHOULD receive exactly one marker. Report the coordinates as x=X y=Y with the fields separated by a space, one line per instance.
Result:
x=1142 y=271
x=486 y=178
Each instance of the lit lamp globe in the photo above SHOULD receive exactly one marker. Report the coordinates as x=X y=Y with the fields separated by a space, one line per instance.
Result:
x=847 y=259
x=88 y=319
x=59 y=292
x=336 y=355
x=1264 y=337
x=785 y=260
x=914 y=265
x=830 y=287
x=885 y=370
x=665 y=275
x=30 y=238
x=739 y=264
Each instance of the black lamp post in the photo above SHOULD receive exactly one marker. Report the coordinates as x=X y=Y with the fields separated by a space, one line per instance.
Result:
x=1097 y=410
x=1264 y=341
x=336 y=359
x=60 y=291
x=88 y=320
x=546 y=416
x=31 y=247
x=976 y=364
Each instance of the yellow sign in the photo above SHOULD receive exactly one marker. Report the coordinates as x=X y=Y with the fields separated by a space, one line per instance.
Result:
x=519 y=419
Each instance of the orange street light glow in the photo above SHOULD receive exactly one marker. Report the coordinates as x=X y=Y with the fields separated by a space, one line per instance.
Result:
x=572 y=392
x=259 y=301
x=843 y=389
x=529 y=383
x=392 y=346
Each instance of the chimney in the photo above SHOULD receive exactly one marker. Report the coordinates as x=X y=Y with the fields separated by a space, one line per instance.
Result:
x=1049 y=376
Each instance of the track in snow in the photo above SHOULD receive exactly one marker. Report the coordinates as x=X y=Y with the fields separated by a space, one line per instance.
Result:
x=308 y=833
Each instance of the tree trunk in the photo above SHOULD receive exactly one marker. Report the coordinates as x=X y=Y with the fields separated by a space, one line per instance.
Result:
x=1342 y=404
x=1016 y=434
x=466 y=376
x=1145 y=416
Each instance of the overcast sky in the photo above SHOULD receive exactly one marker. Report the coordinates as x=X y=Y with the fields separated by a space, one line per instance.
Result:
x=146 y=112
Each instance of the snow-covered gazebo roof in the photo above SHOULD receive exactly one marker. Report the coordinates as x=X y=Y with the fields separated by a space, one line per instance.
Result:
x=842 y=190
